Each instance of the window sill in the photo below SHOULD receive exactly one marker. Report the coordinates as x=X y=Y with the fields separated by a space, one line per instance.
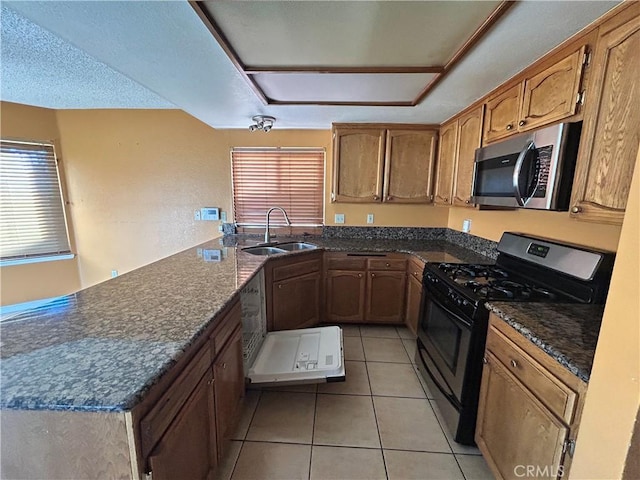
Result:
x=45 y=258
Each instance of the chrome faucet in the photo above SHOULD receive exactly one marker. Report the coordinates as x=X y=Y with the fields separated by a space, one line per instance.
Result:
x=267 y=237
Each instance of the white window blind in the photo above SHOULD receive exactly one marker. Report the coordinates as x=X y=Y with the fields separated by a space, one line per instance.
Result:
x=291 y=178
x=32 y=220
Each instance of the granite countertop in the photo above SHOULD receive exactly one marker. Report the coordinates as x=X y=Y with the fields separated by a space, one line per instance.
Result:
x=567 y=332
x=102 y=348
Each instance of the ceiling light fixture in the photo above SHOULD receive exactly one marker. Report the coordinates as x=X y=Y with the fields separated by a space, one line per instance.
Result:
x=262 y=122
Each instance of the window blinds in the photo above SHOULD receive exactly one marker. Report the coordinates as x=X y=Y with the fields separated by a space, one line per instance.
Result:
x=32 y=221
x=291 y=178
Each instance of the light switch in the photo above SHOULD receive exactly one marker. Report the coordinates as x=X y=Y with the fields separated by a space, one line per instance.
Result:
x=466 y=225
x=339 y=218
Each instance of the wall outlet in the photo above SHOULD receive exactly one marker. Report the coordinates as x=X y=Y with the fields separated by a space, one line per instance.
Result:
x=466 y=225
x=370 y=218
x=339 y=218
x=220 y=228
x=196 y=215
x=114 y=273
x=223 y=216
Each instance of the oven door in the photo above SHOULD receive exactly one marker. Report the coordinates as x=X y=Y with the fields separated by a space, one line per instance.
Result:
x=446 y=337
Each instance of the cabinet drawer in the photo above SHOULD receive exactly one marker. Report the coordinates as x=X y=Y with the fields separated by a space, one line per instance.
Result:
x=557 y=396
x=225 y=328
x=344 y=262
x=297 y=268
x=156 y=422
x=386 y=264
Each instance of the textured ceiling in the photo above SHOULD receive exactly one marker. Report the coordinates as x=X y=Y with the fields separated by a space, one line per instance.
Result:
x=165 y=47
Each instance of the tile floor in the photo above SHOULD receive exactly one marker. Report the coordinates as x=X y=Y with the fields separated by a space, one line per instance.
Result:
x=381 y=423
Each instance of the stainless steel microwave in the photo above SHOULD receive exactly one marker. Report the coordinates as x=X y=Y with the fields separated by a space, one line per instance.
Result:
x=529 y=170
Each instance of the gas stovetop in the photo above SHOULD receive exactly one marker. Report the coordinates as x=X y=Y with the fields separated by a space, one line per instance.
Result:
x=489 y=282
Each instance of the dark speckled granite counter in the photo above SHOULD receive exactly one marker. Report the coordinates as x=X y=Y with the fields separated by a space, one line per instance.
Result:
x=567 y=332
x=102 y=348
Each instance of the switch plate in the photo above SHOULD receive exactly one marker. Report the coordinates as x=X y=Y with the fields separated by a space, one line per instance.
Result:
x=114 y=273
x=466 y=225
x=223 y=216
x=370 y=218
x=339 y=218
x=196 y=215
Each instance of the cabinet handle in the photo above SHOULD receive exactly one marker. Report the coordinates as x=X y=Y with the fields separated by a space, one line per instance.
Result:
x=484 y=360
x=514 y=364
x=210 y=382
x=224 y=366
x=521 y=123
x=416 y=273
x=376 y=197
x=359 y=275
x=576 y=209
x=509 y=126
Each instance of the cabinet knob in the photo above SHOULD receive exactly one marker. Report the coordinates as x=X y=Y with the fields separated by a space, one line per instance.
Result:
x=376 y=197
x=445 y=199
x=388 y=265
x=484 y=360
x=416 y=273
x=359 y=275
x=576 y=209
x=514 y=364
x=389 y=197
x=279 y=285
x=467 y=201
x=224 y=366
x=210 y=382
x=373 y=275
x=521 y=123
x=509 y=126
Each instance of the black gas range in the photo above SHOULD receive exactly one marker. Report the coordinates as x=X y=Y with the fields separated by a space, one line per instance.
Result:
x=453 y=319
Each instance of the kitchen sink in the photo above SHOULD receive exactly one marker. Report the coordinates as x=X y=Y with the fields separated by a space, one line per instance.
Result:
x=258 y=250
x=290 y=247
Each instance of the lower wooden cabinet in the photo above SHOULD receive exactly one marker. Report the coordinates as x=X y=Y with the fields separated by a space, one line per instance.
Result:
x=361 y=288
x=529 y=408
x=414 y=294
x=294 y=291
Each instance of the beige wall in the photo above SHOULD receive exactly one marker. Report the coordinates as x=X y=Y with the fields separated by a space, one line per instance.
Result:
x=136 y=176
x=557 y=225
x=614 y=389
x=22 y=283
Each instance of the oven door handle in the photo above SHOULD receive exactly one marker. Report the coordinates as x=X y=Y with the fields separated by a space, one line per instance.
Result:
x=457 y=318
x=516 y=174
x=432 y=369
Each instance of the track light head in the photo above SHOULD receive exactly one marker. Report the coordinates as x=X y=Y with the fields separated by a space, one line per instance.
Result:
x=262 y=122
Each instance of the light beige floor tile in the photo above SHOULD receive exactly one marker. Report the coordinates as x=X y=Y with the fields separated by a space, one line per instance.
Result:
x=384 y=350
x=404 y=332
x=283 y=417
x=356 y=383
x=403 y=465
x=225 y=469
x=474 y=467
x=268 y=461
x=248 y=408
x=425 y=387
x=455 y=446
x=353 y=348
x=394 y=380
x=346 y=420
x=409 y=424
x=380 y=331
x=350 y=330
x=341 y=463
x=410 y=346
x=305 y=388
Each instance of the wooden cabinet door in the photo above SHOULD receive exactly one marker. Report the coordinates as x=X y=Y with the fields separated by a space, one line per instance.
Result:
x=385 y=296
x=409 y=163
x=514 y=429
x=345 y=295
x=414 y=298
x=469 y=139
x=229 y=388
x=358 y=157
x=446 y=164
x=188 y=447
x=501 y=114
x=296 y=302
x=551 y=95
x=611 y=129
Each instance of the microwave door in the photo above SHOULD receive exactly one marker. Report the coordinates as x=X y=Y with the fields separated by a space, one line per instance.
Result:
x=526 y=173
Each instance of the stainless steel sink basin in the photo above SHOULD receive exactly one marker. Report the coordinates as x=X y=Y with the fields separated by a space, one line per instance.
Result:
x=258 y=250
x=292 y=246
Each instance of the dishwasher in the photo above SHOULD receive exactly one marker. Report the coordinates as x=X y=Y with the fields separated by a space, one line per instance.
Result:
x=287 y=357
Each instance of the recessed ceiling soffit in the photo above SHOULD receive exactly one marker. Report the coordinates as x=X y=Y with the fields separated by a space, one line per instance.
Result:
x=347 y=53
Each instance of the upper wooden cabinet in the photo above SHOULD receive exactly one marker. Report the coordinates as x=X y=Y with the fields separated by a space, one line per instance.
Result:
x=446 y=164
x=409 y=163
x=611 y=128
x=358 y=160
x=543 y=97
x=377 y=164
x=469 y=139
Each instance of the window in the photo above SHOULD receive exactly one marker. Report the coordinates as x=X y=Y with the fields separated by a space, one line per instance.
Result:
x=291 y=178
x=32 y=219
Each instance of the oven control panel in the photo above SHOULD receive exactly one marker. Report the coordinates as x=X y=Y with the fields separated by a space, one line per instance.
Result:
x=447 y=295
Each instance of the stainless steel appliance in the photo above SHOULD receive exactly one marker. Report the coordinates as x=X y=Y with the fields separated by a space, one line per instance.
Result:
x=530 y=170
x=453 y=320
